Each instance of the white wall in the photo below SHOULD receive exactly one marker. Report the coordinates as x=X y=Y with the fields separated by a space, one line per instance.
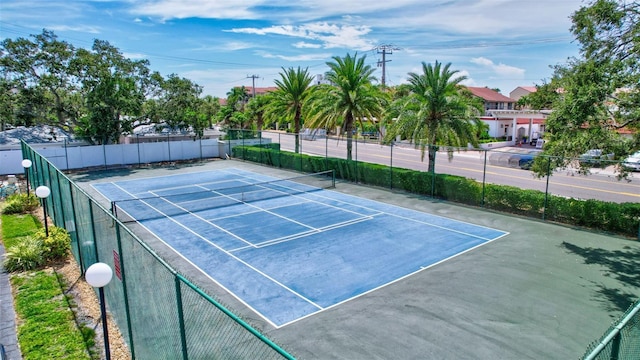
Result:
x=66 y=156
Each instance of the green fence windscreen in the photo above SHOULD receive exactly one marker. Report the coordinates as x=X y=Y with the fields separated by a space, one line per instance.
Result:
x=160 y=314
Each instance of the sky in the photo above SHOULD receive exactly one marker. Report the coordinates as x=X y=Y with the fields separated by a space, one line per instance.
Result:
x=219 y=45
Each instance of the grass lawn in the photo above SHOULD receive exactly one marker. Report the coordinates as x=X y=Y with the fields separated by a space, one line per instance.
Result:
x=46 y=323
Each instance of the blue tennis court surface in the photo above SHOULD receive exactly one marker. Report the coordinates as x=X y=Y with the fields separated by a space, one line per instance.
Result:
x=288 y=257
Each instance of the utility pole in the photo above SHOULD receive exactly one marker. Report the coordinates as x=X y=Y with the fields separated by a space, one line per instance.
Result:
x=384 y=50
x=253 y=86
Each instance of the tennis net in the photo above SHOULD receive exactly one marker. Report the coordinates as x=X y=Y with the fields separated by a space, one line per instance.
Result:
x=214 y=196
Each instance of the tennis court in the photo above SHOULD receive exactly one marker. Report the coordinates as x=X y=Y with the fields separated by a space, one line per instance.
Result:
x=289 y=248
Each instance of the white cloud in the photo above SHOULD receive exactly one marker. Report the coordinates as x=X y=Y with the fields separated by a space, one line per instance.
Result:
x=179 y=9
x=330 y=35
x=501 y=70
x=303 y=57
x=138 y=56
x=79 y=28
x=306 y=45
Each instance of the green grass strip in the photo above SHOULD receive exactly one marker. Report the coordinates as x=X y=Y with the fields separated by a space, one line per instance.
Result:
x=46 y=325
x=48 y=329
x=15 y=227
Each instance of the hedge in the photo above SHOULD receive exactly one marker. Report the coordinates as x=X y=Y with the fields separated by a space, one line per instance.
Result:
x=622 y=219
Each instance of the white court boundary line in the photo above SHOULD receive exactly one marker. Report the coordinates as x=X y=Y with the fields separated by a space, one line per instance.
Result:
x=313 y=230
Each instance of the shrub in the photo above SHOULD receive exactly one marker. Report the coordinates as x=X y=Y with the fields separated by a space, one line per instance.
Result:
x=56 y=245
x=21 y=204
x=24 y=255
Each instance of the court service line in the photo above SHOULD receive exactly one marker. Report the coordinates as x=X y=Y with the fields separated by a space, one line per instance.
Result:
x=186 y=211
x=238 y=260
x=398 y=216
x=314 y=194
x=303 y=234
x=419 y=221
x=402 y=217
x=270 y=212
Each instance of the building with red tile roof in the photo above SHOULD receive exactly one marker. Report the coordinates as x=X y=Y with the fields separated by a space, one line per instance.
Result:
x=521 y=91
x=493 y=100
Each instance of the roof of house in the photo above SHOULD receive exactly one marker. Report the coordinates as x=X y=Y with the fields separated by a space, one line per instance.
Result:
x=489 y=95
x=260 y=90
x=528 y=88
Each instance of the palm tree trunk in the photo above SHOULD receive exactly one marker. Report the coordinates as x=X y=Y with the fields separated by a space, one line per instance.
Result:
x=348 y=127
x=432 y=158
x=297 y=129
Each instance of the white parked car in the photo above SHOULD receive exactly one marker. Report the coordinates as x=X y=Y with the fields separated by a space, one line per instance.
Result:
x=632 y=162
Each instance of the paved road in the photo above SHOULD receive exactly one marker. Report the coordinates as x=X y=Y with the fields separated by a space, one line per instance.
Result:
x=602 y=184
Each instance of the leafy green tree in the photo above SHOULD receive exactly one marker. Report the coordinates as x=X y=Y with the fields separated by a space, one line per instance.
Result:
x=104 y=103
x=436 y=113
x=112 y=86
x=179 y=105
x=8 y=99
x=350 y=100
x=43 y=63
x=285 y=104
x=542 y=99
x=600 y=93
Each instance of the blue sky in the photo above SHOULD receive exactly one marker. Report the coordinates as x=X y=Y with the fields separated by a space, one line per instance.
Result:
x=220 y=44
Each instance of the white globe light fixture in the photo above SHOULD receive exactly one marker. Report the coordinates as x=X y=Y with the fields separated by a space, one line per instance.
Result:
x=26 y=164
x=99 y=275
x=43 y=193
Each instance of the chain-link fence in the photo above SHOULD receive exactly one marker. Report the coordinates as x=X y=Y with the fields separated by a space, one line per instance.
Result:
x=160 y=313
x=495 y=179
x=621 y=341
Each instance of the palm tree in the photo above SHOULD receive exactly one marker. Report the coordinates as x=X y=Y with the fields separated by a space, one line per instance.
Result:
x=436 y=113
x=286 y=102
x=256 y=108
x=237 y=97
x=349 y=100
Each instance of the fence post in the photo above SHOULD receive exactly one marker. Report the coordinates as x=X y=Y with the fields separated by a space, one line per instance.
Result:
x=546 y=190
x=391 y=165
x=183 y=335
x=104 y=155
x=326 y=151
x=169 y=146
x=484 y=177
x=138 y=143
x=124 y=290
x=433 y=172
x=66 y=153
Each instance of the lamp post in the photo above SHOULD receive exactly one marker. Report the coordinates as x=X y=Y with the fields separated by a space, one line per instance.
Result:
x=99 y=275
x=43 y=193
x=26 y=164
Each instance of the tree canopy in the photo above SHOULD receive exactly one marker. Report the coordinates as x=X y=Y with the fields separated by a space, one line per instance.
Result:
x=599 y=96
x=437 y=112
x=96 y=93
x=350 y=100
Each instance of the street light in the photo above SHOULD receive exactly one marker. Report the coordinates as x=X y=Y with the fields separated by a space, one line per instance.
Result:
x=26 y=164
x=43 y=193
x=99 y=275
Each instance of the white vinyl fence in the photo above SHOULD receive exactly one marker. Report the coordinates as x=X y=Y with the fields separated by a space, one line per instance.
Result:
x=67 y=156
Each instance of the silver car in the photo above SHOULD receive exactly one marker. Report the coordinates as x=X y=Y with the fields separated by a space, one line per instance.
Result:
x=632 y=162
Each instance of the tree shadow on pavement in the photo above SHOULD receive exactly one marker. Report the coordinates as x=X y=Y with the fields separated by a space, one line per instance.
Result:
x=621 y=265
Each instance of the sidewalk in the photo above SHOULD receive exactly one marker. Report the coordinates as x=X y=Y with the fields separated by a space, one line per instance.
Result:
x=8 y=336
